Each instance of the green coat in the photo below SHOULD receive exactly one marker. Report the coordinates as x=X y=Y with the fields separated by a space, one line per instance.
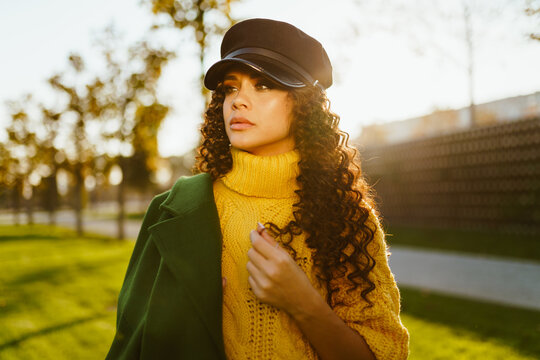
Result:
x=170 y=305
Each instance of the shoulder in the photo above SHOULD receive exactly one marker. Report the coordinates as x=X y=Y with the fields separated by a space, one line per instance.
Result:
x=373 y=220
x=188 y=193
x=157 y=201
x=152 y=215
x=377 y=246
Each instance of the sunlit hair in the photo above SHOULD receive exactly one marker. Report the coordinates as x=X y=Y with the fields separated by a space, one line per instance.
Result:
x=334 y=203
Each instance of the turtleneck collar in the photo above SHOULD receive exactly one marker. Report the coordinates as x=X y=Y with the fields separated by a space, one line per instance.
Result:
x=271 y=176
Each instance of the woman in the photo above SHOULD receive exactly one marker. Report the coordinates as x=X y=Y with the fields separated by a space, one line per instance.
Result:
x=313 y=281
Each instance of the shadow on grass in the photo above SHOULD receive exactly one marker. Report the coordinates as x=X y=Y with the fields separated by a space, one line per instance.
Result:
x=515 y=327
x=47 y=232
x=31 y=289
x=51 y=329
x=59 y=274
x=21 y=237
x=50 y=275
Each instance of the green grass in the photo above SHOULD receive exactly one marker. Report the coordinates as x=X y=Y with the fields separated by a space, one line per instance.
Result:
x=469 y=241
x=135 y=216
x=445 y=327
x=114 y=216
x=58 y=301
x=58 y=292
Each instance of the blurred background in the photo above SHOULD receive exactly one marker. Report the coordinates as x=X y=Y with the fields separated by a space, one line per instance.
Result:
x=100 y=107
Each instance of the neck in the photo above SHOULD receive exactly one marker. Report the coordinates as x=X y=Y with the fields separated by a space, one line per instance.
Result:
x=271 y=176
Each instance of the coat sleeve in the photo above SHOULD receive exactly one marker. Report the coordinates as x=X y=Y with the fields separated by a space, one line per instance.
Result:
x=379 y=324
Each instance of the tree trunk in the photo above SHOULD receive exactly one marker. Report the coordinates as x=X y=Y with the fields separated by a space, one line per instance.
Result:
x=17 y=189
x=30 y=208
x=78 y=198
x=121 y=201
x=51 y=197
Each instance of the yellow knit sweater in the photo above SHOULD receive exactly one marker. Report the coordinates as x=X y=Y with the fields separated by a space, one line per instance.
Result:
x=261 y=189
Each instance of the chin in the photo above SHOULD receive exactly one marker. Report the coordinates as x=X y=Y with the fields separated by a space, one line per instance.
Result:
x=241 y=144
x=248 y=149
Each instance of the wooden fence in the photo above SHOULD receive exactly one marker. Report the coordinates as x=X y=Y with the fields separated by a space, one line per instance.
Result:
x=483 y=178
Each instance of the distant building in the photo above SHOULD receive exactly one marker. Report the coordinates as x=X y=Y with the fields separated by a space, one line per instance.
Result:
x=449 y=121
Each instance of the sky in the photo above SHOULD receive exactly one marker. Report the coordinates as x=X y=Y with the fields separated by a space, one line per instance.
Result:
x=392 y=59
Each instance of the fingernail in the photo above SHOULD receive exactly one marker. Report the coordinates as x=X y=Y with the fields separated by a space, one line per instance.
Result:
x=260 y=228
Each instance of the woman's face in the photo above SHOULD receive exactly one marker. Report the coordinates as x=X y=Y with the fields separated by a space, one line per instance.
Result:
x=257 y=114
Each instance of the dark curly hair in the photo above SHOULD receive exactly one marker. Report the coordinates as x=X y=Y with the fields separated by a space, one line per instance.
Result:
x=335 y=200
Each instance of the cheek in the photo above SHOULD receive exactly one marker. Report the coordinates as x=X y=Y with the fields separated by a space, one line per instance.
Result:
x=282 y=110
x=280 y=128
x=287 y=118
x=226 y=109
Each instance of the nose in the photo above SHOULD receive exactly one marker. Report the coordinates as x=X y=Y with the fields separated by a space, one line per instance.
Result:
x=241 y=99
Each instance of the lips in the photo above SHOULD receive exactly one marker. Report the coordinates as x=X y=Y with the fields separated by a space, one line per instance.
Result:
x=240 y=123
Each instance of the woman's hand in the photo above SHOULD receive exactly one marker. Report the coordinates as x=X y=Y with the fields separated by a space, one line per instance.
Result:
x=277 y=280
x=274 y=276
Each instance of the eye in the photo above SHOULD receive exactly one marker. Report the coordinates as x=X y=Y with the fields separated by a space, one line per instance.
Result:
x=228 y=89
x=263 y=85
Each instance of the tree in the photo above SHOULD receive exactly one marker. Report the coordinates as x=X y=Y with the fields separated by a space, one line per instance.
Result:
x=50 y=121
x=30 y=156
x=9 y=193
x=23 y=145
x=533 y=9
x=5 y=158
x=205 y=18
x=126 y=102
x=78 y=107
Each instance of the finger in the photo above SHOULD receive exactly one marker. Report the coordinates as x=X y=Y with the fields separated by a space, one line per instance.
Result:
x=269 y=239
x=266 y=236
x=253 y=285
x=256 y=285
x=262 y=245
x=255 y=272
x=257 y=259
x=224 y=282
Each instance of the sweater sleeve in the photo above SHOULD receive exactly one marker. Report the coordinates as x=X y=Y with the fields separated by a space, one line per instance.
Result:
x=379 y=324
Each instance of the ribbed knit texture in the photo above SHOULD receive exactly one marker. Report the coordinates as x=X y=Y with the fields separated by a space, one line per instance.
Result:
x=261 y=189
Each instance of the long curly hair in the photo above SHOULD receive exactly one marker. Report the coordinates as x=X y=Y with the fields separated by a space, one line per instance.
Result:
x=335 y=200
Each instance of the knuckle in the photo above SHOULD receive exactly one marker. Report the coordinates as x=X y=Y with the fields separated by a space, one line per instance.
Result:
x=281 y=260
x=273 y=273
x=266 y=286
x=260 y=294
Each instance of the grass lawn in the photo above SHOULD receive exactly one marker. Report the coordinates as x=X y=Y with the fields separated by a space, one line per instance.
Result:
x=58 y=293
x=58 y=297
x=470 y=241
x=100 y=215
x=444 y=327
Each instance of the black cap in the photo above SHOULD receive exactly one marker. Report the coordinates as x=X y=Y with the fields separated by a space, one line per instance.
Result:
x=276 y=49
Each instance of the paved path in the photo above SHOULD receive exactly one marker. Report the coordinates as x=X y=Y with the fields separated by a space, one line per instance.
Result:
x=478 y=277
x=90 y=224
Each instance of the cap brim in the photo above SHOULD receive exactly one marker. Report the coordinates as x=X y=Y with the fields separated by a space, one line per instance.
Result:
x=260 y=64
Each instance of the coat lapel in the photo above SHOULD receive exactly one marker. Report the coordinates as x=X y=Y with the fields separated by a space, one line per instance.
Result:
x=190 y=244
